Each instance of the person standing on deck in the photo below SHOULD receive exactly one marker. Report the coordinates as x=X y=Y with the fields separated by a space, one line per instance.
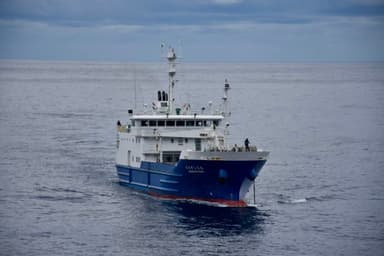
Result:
x=246 y=144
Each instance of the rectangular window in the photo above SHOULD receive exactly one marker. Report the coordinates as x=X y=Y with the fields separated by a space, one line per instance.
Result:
x=190 y=123
x=152 y=123
x=180 y=123
x=144 y=123
x=161 y=123
x=171 y=156
x=180 y=141
x=170 y=123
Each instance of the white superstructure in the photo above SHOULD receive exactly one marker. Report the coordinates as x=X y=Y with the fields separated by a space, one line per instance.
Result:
x=163 y=135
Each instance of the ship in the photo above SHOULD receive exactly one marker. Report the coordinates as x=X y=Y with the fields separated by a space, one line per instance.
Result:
x=175 y=153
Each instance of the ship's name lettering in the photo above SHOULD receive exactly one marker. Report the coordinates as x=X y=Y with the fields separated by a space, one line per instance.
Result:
x=194 y=168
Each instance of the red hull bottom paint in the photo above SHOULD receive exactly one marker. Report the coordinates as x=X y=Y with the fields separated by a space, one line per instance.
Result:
x=229 y=203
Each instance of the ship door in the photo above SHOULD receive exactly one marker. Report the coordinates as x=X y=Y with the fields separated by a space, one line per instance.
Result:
x=198 y=144
x=129 y=157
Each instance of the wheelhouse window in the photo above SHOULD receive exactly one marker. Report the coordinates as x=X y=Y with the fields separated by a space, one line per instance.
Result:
x=190 y=123
x=180 y=123
x=160 y=123
x=170 y=123
x=144 y=123
x=152 y=122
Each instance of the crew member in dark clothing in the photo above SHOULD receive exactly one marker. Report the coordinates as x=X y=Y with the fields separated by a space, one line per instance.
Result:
x=246 y=144
x=119 y=127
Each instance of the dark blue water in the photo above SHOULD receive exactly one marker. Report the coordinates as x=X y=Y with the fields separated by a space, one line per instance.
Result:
x=321 y=192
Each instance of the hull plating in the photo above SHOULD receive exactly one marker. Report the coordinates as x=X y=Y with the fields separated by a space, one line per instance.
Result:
x=224 y=182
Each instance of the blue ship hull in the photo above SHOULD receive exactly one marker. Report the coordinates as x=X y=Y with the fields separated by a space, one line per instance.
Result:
x=222 y=182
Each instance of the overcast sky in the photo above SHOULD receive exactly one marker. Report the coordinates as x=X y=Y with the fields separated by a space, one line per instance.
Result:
x=205 y=30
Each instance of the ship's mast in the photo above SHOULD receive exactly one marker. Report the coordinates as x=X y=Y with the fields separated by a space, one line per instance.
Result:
x=171 y=56
x=226 y=112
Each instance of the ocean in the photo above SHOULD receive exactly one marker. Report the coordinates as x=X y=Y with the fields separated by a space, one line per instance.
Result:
x=320 y=193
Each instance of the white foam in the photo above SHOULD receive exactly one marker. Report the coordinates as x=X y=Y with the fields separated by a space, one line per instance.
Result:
x=298 y=201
